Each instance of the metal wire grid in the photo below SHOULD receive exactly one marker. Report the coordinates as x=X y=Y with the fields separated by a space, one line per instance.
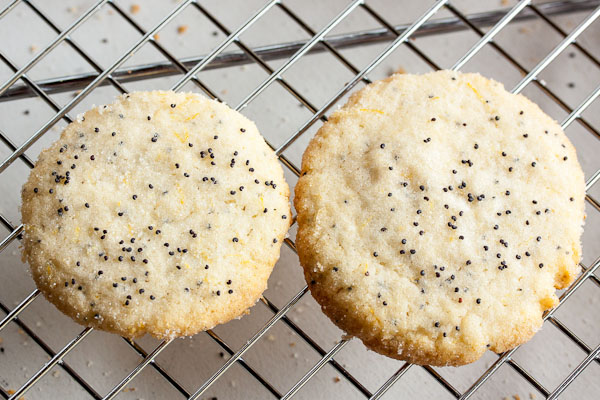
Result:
x=294 y=51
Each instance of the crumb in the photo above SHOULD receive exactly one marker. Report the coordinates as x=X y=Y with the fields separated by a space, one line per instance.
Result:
x=135 y=8
x=90 y=363
x=400 y=70
x=336 y=379
x=224 y=91
x=181 y=29
x=531 y=395
x=292 y=344
x=504 y=2
x=10 y=391
x=21 y=332
x=516 y=397
x=233 y=384
x=523 y=30
x=33 y=48
x=56 y=373
x=271 y=338
x=295 y=355
x=129 y=389
x=72 y=9
x=156 y=36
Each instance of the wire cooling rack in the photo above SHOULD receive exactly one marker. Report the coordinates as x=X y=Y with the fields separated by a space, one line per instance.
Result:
x=147 y=363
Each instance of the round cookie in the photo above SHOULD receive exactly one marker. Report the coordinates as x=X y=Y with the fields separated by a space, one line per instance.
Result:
x=161 y=213
x=437 y=214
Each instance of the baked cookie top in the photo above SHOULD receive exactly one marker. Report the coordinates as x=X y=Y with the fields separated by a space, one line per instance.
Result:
x=437 y=214
x=161 y=213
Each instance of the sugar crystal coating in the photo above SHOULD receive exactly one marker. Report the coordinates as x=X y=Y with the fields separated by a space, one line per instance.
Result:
x=124 y=214
x=437 y=214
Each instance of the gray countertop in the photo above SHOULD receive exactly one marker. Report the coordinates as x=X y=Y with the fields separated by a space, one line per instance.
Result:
x=281 y=356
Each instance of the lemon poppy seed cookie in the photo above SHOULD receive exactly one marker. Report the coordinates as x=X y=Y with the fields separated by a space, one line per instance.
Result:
x=437 y=215
x=161 y=213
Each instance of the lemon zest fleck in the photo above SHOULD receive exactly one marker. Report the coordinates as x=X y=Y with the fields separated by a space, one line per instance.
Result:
x=360 y=228
x=373 y=110
x=205 y=257
x=184 y=136
x=376 y=318
x=575 y=251
x=192 y=117
x=180 y=191
x=475 y=91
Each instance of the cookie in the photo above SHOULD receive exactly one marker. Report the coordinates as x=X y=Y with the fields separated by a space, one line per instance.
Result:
x=162 y=213
x=437 y=214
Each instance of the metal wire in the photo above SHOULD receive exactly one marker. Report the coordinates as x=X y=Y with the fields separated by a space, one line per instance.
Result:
x=48 y=366
x=285 y=50
x=292 y=52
